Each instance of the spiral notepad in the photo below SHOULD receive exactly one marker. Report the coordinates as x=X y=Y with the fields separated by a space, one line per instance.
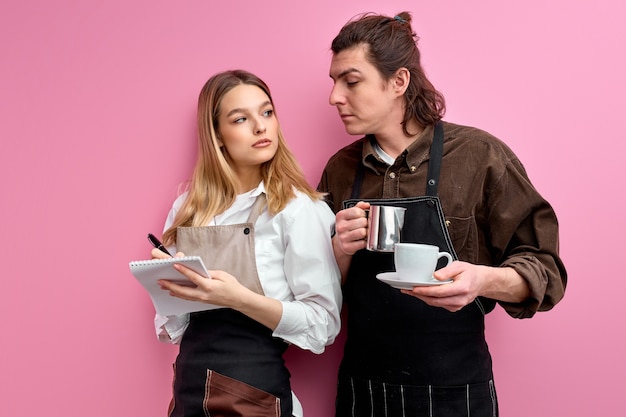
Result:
x=149 y=272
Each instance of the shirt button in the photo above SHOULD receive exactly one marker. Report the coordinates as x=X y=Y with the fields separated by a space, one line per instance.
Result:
x=413 y=168
x=392 y=175
x=246 y=231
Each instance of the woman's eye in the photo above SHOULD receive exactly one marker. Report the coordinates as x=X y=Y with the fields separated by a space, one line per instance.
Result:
x=268 y=113
x=239 y=120
x=352 y=83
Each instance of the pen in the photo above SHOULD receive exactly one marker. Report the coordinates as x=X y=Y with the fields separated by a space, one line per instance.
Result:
x=157 y=243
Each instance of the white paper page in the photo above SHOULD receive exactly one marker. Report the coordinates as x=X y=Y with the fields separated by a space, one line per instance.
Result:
x=149 y=272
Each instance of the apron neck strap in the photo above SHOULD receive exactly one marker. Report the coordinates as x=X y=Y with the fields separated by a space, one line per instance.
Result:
x=434 y=162
x=358 y=180
x=257 y=208
x=434 y=167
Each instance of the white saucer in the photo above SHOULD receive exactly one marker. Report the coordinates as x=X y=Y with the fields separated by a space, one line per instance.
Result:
x=391 y=278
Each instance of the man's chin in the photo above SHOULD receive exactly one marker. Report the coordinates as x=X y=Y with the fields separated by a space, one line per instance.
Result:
x=353 y=130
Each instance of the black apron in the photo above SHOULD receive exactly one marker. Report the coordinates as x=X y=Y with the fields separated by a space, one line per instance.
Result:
x=229 y=364
x=403 y=357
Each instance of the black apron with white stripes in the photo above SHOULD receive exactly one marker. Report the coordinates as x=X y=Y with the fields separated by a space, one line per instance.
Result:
x=403 y=357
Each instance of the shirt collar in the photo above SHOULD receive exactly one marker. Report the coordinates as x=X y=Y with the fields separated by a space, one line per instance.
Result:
x=258 y=190
x=416 y=153
x=383 y=155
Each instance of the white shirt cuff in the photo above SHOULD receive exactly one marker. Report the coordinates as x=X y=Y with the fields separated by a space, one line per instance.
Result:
x=170 y=329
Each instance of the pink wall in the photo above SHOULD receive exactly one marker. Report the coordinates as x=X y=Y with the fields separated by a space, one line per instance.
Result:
x=97 y=107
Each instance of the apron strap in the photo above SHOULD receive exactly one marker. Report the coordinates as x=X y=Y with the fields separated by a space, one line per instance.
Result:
x=434 y=163
x=257 y=208
x=434 y=167
x=358 y=180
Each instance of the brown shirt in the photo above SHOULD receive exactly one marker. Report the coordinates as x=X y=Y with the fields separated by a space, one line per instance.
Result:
x=494 y=214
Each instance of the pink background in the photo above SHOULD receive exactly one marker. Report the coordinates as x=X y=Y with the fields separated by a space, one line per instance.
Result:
x=97 y=108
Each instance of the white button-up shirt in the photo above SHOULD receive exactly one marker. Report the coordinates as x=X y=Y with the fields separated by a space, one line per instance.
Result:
x=296 y=266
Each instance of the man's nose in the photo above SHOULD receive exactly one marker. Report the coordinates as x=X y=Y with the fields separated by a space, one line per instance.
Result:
x=336 y=97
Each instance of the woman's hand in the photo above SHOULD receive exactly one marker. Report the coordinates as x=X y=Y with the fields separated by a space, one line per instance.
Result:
x=157 y=254
x=223 y=289
x=220 y=289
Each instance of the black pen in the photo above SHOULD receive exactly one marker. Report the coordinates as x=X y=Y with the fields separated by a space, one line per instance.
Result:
x=157 y=243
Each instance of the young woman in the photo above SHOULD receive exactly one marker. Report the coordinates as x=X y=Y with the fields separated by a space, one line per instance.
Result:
x=265 y=235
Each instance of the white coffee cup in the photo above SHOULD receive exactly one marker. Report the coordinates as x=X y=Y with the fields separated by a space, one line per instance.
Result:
x=416 y=262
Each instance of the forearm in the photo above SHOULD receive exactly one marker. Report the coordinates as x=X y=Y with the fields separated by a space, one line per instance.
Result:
x=343 y=259
x=265 y=310
x=504 y=284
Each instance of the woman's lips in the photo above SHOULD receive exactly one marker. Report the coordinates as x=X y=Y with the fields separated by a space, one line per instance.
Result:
x=262 y=143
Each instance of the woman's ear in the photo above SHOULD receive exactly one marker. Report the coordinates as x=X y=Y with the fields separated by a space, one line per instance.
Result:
x=401 y=80
x=218 y=139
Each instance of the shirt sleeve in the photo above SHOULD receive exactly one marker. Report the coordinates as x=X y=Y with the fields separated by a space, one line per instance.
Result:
x=170 y=329
x=524 y=230
x=312 y=319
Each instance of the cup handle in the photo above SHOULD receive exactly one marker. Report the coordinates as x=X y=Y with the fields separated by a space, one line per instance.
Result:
x=447 y=256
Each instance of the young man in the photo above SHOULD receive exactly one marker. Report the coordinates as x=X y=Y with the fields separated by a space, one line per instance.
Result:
x=423 y=351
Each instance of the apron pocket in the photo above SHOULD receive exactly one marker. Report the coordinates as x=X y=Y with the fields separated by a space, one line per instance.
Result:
x=226 y=397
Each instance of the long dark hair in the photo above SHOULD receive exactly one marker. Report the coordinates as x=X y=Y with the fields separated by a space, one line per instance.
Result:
x=391 y=45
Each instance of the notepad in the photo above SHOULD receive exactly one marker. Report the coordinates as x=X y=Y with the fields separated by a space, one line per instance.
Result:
x=149 y=272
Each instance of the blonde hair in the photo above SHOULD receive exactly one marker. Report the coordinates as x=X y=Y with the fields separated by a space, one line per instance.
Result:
x=213 y=186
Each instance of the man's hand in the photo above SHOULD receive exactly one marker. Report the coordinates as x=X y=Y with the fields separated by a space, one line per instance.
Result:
x=351 y=228
x=350 y=235
x=471 y=281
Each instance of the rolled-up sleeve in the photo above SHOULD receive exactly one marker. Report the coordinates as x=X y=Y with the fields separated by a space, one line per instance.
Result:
x=525 y=233
x=170 y=329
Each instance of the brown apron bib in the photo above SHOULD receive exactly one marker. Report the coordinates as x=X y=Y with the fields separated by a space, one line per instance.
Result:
x=229 y=364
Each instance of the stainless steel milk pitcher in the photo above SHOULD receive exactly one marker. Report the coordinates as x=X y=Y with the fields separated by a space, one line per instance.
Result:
x=384 y=227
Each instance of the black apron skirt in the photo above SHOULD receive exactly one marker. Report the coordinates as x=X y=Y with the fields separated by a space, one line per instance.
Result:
x=234 y=346
x=229 y=364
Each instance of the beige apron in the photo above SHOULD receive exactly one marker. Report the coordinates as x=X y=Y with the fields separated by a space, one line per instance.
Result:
x=227 y=248
x=229 y=364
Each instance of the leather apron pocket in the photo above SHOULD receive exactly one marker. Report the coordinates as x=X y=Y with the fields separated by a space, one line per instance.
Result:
x=227 y=397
